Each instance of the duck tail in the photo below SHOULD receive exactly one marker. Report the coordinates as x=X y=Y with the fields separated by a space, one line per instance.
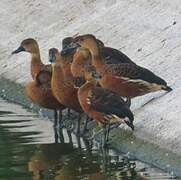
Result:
x=167 y=88
x=130 y=124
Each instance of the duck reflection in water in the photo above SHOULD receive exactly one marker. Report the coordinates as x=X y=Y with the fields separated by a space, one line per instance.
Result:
x=74 y=161
x=48 y=156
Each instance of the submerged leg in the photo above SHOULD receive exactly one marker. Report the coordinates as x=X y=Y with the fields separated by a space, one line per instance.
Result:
x=55 y=118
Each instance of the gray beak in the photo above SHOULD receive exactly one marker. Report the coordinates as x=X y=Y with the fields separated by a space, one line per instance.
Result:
x=52 y=57
x=96 y=75
x=20 y=49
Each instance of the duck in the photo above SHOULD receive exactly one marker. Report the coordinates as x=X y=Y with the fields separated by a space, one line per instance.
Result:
x=62 y=83
x=106 y=107
x=39 y=92
x=125 y=79
x=31 y=46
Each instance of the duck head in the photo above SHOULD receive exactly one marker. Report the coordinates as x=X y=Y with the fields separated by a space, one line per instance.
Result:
x=90 y=74
x=90 y=42
x=87 y=40
x=53 y=54
x=68 y=46
x=29 y=45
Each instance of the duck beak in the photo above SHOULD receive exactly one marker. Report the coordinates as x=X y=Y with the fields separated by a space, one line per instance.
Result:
x=20 y=49
x=96 y=75
x=69 y=48
x=78 y=82
x=52 y=57
x=130 y=124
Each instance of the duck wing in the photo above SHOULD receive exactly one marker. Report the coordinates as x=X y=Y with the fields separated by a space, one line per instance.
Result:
x=114 y=56
x=134 y=72
x=107 y=102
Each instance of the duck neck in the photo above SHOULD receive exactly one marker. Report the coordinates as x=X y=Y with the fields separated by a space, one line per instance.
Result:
x=57 y=66
x=36 y=63
x=97 y=60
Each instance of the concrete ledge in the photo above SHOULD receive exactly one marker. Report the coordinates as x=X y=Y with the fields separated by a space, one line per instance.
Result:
x=126 y=142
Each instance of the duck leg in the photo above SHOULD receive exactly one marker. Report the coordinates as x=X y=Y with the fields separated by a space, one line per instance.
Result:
x=128 y=101
x=85 y=129
x=60 y=119
x=70 y=137
x=107 y=133
x=55 y=118
x=104 y=137
x=78 y=125
x=68 y=113
x=79 y=142
x=55 y=134
x=61 y=137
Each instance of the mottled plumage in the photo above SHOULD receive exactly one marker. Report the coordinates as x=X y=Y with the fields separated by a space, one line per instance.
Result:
x=134 y=72
x=105 y=101
x=114 y=56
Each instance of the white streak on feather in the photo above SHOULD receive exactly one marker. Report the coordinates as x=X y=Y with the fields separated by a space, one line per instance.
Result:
x=150 y=86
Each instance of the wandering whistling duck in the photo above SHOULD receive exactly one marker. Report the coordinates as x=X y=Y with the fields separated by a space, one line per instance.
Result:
x=30 y=45
x=126 y=79
x=62 y=82
x=39 y=91
x=103 y=105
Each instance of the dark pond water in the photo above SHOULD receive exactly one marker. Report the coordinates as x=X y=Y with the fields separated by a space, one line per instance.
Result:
x=30 y=148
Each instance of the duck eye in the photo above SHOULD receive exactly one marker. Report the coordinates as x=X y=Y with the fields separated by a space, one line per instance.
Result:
x=81 y=39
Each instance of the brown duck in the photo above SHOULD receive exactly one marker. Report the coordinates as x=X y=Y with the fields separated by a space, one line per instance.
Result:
x=126 y=79
x=62 y=82
x=39 y=91
x=103 y=105
x=31 y=46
